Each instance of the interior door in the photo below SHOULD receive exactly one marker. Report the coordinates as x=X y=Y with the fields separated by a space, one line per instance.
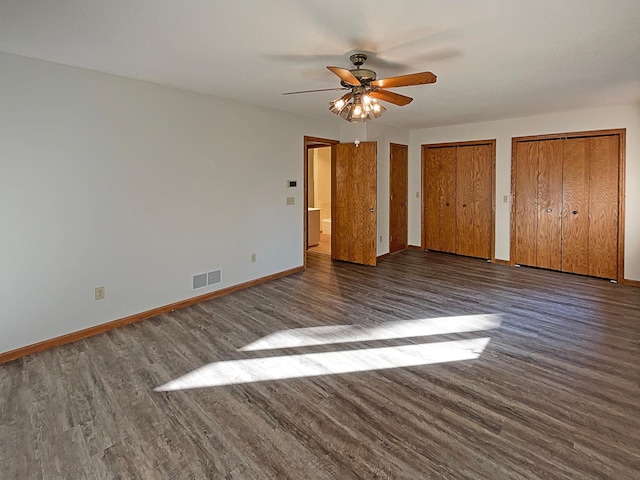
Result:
x=398 y=197
x=549 y=204
x=575 y=206
x=603 y=202
x=483 y=200
x=447 y=179
x=574 y=184
x=465 y=188
x=439 y=187
x=525 y=198
x=431 y=189
x=353 y=222
x=474 y=204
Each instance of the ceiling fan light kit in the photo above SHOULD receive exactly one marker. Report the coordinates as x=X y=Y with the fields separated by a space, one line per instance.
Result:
x=357 y=107
x=361 y=103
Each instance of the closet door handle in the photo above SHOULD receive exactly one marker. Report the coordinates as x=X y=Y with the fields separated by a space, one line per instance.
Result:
x=464 y=205
x=575 y=212
x=446 y=204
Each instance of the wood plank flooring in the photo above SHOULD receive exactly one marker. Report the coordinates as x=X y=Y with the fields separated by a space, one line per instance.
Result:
x=554 y=395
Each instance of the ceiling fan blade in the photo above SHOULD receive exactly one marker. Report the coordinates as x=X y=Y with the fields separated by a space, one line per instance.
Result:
x=345 y=75
x=318 y=90
x=421 y=78
x=391 y=97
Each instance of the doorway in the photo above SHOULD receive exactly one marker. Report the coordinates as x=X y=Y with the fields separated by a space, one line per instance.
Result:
x=317 y=195
x=353 y=200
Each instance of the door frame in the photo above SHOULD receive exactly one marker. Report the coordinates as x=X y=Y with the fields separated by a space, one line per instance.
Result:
x=423 y=150
x=622 y=150
x=310 y=143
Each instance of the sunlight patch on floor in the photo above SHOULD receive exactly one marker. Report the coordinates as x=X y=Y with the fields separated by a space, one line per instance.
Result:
x=233 y=372
x=304 y=337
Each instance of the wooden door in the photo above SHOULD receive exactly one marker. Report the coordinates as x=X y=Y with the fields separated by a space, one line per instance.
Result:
x=575 y=206
x=448 y=200
x=398 y=197
x=439 y=187
x=431 y=193
x=525 y=199
x=353 y=222
x=549 y=205
x=575 y=181
x=474 y=200
x=465 y=186
x=603 y=205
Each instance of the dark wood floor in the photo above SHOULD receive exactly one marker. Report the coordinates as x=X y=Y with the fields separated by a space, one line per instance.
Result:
x=554 y=395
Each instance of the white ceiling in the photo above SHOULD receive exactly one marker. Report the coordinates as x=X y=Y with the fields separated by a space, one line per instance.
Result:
x=493 y=58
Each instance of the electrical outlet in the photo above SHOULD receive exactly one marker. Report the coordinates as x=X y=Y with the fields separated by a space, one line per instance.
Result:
x=380 y=238
x=99 y=293
x=253 y=258
x=417 y=194
x=291 y=200
x=505 y=199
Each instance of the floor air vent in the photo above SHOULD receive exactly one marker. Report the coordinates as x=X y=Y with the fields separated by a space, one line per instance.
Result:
x=206 y=279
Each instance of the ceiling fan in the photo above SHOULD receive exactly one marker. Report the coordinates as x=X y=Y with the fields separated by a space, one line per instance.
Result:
x=361 y=102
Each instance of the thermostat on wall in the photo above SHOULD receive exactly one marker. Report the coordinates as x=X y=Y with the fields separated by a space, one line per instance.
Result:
x=292 y=183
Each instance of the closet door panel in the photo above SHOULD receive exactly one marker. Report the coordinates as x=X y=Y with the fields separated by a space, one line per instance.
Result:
x=482 y=200
x=466 y=178
x=603 y=201
x=525 y=199
x=447 y=181
x=431 y=189
x=474 y=204
x=575 y=206
x=549 y=203
x=440 y=198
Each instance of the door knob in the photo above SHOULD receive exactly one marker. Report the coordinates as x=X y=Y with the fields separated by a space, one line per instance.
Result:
x=404 y=204
x=464 y=205
x=575 y=212
x=549 y=210
x=371 y=210
x=446 y=204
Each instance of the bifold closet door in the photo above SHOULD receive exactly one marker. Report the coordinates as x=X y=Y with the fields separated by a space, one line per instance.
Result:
x=525 y=198
x=549 y=205
x=538 y=203
x=440 y=199
x=566 y=204
x=474 y=203
x=575 y=206
x=604 y=182
x=590 y=210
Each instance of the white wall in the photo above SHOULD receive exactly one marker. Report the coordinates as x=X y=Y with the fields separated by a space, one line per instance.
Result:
x=114 y=182
x=607 y=118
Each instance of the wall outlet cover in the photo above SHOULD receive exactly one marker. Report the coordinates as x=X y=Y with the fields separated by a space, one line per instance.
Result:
x=99 y=293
